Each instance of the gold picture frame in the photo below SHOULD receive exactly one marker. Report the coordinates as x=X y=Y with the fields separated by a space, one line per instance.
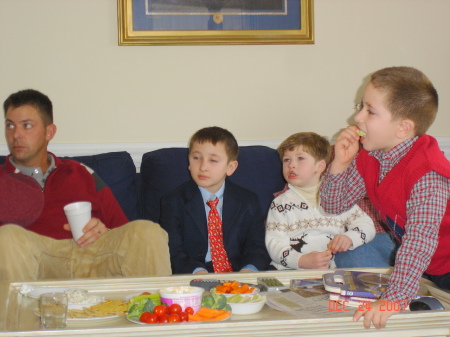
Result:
x=136 y=25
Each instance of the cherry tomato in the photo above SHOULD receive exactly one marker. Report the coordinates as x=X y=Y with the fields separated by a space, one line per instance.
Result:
x=184 y=317
x=175 y=308
x=148 y=318
x=144 y=316
x=189 y=311
x=174 y=318
x=160 y=310
x=164 y=319
x=145 y=293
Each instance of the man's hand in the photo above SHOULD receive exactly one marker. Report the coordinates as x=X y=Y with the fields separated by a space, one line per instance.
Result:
x=246 y=271
x=377 y=314
x=345 y=149
x=315 y=260
x=340 y=243
x=93 y=230
x=201 y=271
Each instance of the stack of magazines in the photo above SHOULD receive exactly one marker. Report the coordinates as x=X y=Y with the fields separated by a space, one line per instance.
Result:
x=354 y=287
x=358 y=288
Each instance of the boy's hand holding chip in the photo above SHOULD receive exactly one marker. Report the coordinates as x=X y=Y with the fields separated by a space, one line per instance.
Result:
x=340 y=243
x=345 y=149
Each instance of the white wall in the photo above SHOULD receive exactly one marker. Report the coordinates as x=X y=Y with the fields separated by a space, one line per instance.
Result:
x=105 y=93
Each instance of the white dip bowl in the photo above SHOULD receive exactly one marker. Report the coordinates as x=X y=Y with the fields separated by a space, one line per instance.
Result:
x=247 y=308
x=184 y=296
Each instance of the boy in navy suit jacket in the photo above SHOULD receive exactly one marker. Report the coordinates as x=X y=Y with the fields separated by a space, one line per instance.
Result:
x=213 y=155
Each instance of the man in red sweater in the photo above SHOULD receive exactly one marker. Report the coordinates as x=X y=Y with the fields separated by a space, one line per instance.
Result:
x=35 y=239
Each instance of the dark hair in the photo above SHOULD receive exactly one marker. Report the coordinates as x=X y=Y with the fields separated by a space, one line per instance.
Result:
x=409 y=95
x=214 y=135
x=317 y=146
x=34 y=98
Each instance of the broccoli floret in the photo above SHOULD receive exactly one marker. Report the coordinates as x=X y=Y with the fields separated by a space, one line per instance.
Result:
x=149 y=306
x=213 y=293
x=220 y=303
x=137 y=308
x=138 y=304
x=208 y=301
x=215 y=300
x=133 y=311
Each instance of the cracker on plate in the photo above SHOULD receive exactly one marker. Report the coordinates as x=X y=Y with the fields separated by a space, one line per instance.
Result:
x=107 y=308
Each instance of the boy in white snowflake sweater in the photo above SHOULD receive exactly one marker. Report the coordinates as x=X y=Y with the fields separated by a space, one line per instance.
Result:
x=299 y=234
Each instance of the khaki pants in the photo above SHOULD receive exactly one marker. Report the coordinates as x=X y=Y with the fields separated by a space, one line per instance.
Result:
x=137 y=249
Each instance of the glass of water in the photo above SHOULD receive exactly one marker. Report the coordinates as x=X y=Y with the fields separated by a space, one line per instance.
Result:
x=53 y=310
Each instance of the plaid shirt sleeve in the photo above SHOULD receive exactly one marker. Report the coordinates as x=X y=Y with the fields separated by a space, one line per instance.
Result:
x=340 y=192
x=424 y=212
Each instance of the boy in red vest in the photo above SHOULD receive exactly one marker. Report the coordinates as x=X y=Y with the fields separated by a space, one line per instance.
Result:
x=406 y=177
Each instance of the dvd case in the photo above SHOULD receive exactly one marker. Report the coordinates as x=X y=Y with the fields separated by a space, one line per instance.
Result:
x=355 y=283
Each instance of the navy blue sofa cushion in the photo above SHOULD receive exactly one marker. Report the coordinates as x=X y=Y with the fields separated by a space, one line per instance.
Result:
x=162 y=170
x=118 y=171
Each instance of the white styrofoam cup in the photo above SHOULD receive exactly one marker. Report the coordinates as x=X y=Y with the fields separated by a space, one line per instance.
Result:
x=78 y=214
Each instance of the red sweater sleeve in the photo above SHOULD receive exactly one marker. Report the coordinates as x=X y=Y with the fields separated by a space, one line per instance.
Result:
x=112 y=214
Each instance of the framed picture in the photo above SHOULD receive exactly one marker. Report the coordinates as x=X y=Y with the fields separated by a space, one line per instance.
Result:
x=215 y=22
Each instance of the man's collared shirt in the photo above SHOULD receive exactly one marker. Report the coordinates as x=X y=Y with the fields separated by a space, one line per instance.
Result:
x=35 y=172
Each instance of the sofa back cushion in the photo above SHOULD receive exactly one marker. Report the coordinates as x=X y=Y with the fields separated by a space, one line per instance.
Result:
x=162 y=170
x=118 y=171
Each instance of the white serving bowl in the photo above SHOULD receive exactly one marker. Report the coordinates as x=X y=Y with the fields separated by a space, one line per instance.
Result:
x=247 y=308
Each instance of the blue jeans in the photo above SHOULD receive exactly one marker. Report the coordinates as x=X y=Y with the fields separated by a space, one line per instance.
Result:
x=380 y=252
x=442 y=281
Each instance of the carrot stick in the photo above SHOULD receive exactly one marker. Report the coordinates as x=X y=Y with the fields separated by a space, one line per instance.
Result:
x=222 y=316
x=208 y=312
x=244 y=288
x=196 y=317
x=221 y=289
x=218 y=315
x=234 y=288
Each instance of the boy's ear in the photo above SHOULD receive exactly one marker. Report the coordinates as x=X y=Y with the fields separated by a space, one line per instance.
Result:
x=406 y=128
x=232 y=166
x=321 y=166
